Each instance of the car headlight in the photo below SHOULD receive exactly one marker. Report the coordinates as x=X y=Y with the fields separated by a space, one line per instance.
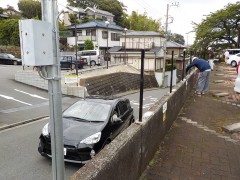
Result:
x=45 y=130
x=92 y=139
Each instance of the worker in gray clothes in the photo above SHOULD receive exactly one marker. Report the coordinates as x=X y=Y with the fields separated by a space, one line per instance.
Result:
x=203 y=75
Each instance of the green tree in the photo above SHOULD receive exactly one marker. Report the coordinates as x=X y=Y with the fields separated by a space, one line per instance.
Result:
x=218 y=30
x=88 y=45
x=178 y=38
x=9 y=32
x=140 y=22
x=113 y=6
x=1 y=10
x=30 y=9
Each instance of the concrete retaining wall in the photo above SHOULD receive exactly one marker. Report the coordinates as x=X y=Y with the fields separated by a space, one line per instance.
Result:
x=128 y=155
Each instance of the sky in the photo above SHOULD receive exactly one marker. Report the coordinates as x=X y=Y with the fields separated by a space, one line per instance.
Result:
x=183 y=15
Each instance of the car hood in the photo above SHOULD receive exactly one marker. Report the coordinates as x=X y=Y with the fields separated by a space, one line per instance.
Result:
x=76 y=131
x=16 y=59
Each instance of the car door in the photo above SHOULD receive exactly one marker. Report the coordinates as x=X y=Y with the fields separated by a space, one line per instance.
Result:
x=1 y=58
x=125 y=114
x=64 y=62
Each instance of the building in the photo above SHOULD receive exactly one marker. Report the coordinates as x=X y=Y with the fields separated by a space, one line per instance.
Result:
x=93 y=13
x=103 y=36
x=131 y=44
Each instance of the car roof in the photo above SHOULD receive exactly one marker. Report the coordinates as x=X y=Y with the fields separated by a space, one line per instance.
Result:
x=104 y=99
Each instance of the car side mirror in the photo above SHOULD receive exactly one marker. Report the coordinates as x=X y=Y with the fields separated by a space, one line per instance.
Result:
x=117 y=121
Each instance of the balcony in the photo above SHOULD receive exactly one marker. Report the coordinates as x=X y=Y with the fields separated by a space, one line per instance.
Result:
x=138 y=45
x=84 y=38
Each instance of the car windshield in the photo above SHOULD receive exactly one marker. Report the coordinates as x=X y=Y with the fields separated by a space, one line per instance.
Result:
x=11 y=56
x=88 y=111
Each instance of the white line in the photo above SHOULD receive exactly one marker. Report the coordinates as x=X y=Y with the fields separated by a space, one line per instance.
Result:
x=33 y=95
x=11 y=98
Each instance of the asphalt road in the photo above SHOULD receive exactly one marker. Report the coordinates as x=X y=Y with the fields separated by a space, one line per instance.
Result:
x=19 y=158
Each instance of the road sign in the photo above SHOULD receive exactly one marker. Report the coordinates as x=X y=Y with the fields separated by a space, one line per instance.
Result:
x=71 y=78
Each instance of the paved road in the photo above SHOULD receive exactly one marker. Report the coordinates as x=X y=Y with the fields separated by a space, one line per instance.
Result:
x=21 y=160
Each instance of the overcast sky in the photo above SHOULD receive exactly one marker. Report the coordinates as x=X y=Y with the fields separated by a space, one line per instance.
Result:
x=183 y=15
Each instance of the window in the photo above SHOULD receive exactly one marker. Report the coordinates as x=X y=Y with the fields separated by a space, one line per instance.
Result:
x=79 y=32
x=104 y=34
x=115 y=36
x=123 y=107
x=88 y=32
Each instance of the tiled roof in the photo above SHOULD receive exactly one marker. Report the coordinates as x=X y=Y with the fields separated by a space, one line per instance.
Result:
x=174 y=45
x=143 y=33
x=97 y=24
x=99 y=11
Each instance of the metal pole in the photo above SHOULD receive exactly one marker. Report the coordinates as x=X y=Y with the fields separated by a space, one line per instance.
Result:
x=183 y=70
x=49 y=14
x=165 y=48
x=125 y=46
x=107 y=46
x=76 y=39
x=141 y=84
x=171 y=72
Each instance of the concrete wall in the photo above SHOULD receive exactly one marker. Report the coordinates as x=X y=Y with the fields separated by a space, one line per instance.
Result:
x=128 y=155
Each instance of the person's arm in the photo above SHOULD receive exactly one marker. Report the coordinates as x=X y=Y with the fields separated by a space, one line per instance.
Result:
x=190 y=65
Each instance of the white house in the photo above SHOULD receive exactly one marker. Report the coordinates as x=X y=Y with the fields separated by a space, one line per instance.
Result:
x=90 y=12
x=103 y=36
x=131 y=44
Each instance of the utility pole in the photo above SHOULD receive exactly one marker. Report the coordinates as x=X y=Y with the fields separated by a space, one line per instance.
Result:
x=49 y=14
x=165 y=42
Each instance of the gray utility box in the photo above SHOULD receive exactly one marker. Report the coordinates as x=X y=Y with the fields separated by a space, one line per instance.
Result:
x=36 y=42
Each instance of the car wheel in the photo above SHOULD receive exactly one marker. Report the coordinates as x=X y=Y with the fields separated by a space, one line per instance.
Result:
x=233 y=63
x=93 y=63
x=73 y=66
x=15 y=63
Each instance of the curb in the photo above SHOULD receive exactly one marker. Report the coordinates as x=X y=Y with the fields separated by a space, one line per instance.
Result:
x=21 y=123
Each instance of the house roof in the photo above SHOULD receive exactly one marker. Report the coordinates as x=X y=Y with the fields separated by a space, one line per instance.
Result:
x=143 y=33
x=115 y=49
x=99 y=11
x=156 y=49
x=79 y=10
x=4 y=16
x=96 y=24
x=171 y=44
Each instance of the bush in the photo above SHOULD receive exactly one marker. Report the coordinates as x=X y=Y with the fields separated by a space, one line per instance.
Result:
x=168 y=67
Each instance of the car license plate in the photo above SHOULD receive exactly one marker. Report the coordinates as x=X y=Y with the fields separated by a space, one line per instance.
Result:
x=65 y=151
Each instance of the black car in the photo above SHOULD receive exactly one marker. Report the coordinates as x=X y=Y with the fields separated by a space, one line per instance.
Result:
x=69 y=62
x=88 y=125
x=9 y=59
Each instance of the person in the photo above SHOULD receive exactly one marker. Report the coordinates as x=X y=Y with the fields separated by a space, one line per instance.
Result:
x=211 y=53
x=226 y=55
x=203 y=75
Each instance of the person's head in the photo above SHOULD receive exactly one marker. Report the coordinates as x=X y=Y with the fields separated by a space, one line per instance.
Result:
x=194 y=58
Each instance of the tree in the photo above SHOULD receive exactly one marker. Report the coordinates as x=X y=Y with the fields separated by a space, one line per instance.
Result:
x=113 y=6
x=9 y=32
x=88 y=45
x=219 y=29
x=140 y=22
x=30 y=9
x=82 y=3
x=178 y=38
x=1 y=10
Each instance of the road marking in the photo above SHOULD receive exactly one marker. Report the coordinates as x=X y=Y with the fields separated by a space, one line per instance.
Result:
x=11 y=98
x=33 y=95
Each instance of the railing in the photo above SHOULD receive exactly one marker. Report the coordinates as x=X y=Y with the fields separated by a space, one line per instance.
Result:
x=138 y=45
x=84 y=38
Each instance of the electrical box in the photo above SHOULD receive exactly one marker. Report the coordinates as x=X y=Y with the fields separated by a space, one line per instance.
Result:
x=36 y=42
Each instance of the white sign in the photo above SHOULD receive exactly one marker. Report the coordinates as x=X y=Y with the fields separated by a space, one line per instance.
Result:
x=165 y=107
x=71 y=78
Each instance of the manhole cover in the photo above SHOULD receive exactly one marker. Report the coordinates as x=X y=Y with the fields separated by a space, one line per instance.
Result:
x=218 y=81
x=221 y=94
